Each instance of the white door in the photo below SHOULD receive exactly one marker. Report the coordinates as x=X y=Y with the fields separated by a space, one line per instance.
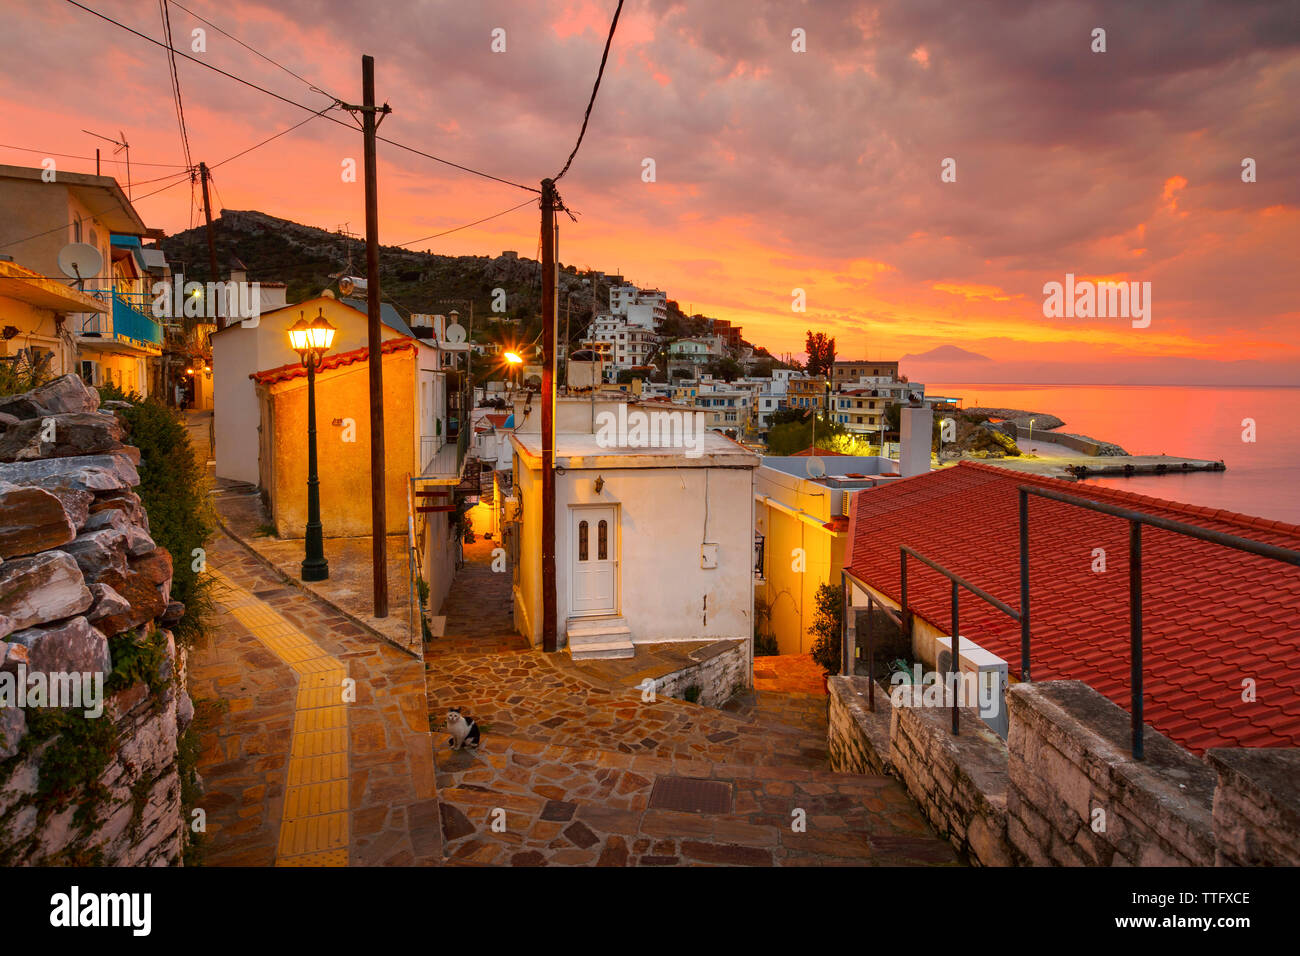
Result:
x=594 y=557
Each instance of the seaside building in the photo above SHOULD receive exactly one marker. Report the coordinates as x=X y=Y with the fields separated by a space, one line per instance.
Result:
x=1211 y=616
x=847 y=371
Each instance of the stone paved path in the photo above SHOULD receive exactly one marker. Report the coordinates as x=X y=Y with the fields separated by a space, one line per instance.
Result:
x=569 y=764
x=266 y=721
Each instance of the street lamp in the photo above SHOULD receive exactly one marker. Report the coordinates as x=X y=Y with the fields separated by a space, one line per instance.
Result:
x=311 y=340
x=1031 y=436
x=514 y=360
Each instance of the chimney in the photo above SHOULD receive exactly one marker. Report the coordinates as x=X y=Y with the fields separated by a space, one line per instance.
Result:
x=916 y=425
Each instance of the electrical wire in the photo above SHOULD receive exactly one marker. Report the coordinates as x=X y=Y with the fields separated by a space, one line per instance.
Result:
x=175 y=78
x=89 y=159
x=592 y=102
x=447 y=232
x=301 y=106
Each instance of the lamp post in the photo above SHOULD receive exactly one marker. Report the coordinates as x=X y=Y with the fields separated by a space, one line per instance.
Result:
x=1031 y=436
x=311 y=340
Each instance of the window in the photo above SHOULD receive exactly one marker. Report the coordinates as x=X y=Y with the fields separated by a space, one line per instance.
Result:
x=582 y=541
x=602 y=540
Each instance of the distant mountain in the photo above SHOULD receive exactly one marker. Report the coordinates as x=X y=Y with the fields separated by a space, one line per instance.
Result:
x=946 y=353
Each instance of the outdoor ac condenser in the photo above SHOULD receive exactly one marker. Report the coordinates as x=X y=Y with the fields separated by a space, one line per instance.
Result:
x=991 y=679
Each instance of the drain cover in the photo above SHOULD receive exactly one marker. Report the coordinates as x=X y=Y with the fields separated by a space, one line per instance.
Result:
x=690 y=795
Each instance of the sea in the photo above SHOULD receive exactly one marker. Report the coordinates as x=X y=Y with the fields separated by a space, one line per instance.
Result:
x=1190 y=421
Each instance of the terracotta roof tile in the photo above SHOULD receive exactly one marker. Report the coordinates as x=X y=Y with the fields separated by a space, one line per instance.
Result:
x=1212 y=616
x=283 y=373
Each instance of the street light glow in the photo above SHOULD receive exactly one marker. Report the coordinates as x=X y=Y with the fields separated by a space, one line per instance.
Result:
x=513 y=358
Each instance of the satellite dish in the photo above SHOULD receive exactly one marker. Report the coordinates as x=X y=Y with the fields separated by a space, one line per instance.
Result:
x=455 y=334
x=816 y=468
x=80 y=260
x=350 y=284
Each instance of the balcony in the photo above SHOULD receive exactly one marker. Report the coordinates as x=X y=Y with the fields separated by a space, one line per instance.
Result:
x=131 y=323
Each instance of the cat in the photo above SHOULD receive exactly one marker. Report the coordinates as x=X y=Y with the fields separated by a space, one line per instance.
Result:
x=463 y=730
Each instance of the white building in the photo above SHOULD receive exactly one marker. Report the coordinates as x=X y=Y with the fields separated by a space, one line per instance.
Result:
x=621 y=344
x=646 y=308
x=652 y=544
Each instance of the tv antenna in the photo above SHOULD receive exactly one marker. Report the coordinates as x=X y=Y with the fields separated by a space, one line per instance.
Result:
x=121 y=145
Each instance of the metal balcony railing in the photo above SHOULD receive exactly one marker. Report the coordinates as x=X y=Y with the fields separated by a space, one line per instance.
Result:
x=131 y=321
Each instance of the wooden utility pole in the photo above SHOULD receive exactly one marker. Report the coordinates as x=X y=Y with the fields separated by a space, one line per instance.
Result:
x=212 y=240
x=378 y=502
x=549 y=309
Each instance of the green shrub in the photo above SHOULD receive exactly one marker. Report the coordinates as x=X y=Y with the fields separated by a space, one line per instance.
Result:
x=137 y=659
x=826 y=627
x=18 y=375
x=173 y=489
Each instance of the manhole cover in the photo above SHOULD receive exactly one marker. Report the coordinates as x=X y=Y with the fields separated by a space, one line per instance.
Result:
x=690 y=795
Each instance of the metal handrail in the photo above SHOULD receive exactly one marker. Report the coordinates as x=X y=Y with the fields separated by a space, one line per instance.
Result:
x=1136 y=520
x=957 y=582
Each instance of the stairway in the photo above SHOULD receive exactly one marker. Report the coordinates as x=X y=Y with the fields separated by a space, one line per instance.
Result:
x=599 y=638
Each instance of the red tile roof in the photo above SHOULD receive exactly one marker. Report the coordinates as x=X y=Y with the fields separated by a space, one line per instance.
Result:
x=283 y=373
x=1212 y=616
x=809 y=452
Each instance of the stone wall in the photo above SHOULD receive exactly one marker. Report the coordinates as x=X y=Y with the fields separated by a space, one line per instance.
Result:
x=1078 y=797
x=959 y=782
x=1064 y=789
x=84 y=590
x=1256 y=807
x=719 y=671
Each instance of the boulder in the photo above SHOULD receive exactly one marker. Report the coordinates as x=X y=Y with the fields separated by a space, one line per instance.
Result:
x=173 y=614
x=62 y=436
x=6 y=625
x=13 y=656
x=127 y=502
x=140 y=588
x=32 y=519
x=109 y=472
x=13 y=725
x=108 y=603
x=65 y=394
x=45 y=587
x=99 y=552
x=6 y=420
x=71 y=647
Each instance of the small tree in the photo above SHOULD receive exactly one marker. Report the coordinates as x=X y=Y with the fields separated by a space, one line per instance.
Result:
x=827 y=621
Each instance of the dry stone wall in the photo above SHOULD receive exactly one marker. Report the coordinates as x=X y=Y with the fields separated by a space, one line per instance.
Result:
x=84 y=613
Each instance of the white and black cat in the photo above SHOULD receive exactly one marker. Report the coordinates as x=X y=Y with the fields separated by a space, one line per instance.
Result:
x=464 y=731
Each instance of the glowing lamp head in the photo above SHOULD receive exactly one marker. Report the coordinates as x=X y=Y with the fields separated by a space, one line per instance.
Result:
x=312 y=338
x=514 y=358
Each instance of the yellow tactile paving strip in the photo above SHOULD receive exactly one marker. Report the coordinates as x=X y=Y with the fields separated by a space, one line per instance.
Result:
x=314 y=826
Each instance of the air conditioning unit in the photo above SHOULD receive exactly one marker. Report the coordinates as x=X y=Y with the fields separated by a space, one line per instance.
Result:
x=846 y=500
x=990 y=680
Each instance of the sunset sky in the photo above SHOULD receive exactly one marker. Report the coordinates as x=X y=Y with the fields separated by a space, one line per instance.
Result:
x=775 y=169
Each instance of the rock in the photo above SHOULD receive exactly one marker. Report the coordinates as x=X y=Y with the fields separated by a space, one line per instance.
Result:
x=6 y=420
x=76 y=500
x=184 y=711
x=127 y=502
x=13 y=725
x=12 y=656
x=6 y=625
x=173 y=614
x=61 y=436
x=144 y=585
x=110 y=472
x=65 y=394
x=45 y=587
x=72 y=647
x=108 y=603
x=31 y=520
x=99 y=552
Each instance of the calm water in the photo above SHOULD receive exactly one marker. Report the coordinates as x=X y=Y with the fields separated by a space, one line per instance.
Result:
x=1189 y=421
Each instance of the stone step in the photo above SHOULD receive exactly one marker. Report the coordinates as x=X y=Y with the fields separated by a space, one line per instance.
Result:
x=602 y=650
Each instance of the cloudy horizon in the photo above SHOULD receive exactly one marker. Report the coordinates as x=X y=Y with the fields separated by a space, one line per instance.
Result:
x=775 y=170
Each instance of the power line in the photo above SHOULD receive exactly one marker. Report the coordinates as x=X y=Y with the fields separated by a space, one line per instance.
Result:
x=175 y=78
x=497 y=215
x=301 y=106
x=592 y=102
x=289 y=129
x=89 y=159
x=311 y=86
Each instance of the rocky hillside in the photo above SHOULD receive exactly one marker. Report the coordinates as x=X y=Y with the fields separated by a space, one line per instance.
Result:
x=306 y=258
x=84 y=600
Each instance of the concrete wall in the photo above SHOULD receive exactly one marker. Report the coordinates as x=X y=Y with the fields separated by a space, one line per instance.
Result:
x=664 y=593
x=36 y=329
x=239 y=350
x=344 y=466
